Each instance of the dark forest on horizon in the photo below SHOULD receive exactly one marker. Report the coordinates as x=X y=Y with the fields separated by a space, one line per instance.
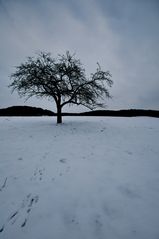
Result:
x=36 y=111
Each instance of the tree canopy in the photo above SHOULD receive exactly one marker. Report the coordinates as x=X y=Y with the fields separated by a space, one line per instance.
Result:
x=63 y=79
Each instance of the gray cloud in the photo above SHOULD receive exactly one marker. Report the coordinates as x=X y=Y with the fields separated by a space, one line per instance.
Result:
x=122 y=35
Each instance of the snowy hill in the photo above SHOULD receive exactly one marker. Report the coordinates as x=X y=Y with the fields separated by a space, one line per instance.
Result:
x=88 y=178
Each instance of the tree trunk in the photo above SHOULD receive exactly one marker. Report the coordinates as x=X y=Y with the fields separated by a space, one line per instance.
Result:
x=59 y=115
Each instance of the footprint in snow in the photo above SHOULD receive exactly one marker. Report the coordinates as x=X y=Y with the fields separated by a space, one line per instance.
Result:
x=23 y=212
x=63 y=160
x=3 y=185
x=110 y=211
x=70 y=219
x=98 y=225
x=129 y=152
x=129 y=192
x=20 y=158
x=31 y=202
x=102 y=130
x=38 y=174
x=1 y=229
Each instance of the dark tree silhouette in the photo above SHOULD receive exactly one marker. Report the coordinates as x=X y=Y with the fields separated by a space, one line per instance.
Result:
x=63 y=79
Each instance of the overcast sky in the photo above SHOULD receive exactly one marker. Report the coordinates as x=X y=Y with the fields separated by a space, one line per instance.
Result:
x=122 y=35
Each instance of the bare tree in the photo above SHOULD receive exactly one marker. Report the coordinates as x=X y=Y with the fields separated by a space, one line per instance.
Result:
x=63 y=79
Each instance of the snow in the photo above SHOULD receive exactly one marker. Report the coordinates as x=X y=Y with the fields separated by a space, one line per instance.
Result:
x=89 y=178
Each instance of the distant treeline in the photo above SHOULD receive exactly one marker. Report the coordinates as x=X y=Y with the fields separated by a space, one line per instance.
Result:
x=25 y=111
x=123 y=113
x=34 y=111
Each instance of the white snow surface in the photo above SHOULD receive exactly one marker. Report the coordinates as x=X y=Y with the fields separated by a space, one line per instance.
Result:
x=89 y=178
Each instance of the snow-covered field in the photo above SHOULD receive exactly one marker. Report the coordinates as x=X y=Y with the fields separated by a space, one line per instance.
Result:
x=88 y=178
